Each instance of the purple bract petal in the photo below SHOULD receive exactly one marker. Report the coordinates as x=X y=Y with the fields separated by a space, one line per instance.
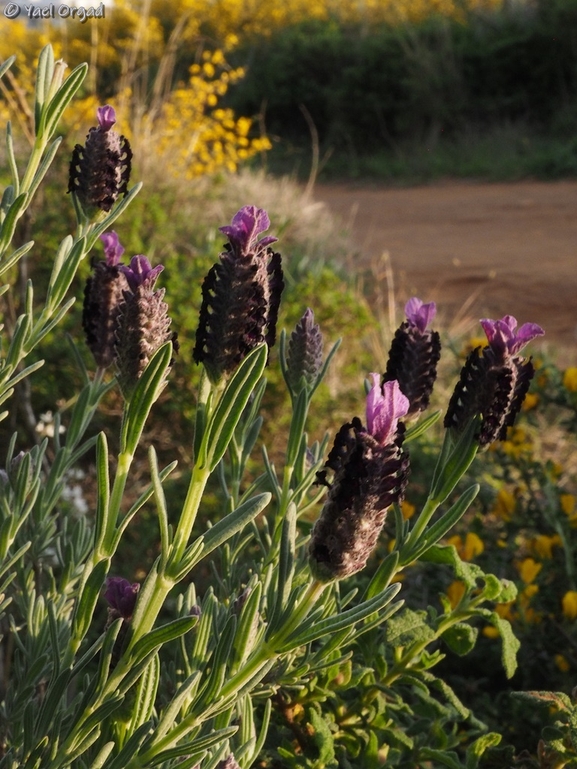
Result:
x=526 y=334
x=141 y=272
x=121 y=595
x=246 y=226
x=106 y=117
x=112 y=248
x=419 y=314
x=385 y=406
x=502 y=336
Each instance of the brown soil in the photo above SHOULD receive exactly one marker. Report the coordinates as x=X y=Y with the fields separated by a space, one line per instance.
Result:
x=492 y=249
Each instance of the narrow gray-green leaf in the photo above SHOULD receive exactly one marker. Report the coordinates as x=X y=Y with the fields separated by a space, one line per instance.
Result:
x=144 y=396
x=224 y=529
x=232 y=403
x=160 y=636
x=5 y=66
x=340 y=621
x=63 y=97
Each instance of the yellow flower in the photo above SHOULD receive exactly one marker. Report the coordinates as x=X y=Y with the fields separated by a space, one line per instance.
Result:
x=505 y=504
x=562 y=663
x=543 y=545
x=531 y=400
x=455 y=592
x=569 y=604
x=528 y=593
x=490 y=632
x=518 y=442
x=567 y=502
x=505 y=611
x=570 y=379
x=469 y=548
x=472 y=344
x=407 y=509
x=532 y=617
x=528 y=569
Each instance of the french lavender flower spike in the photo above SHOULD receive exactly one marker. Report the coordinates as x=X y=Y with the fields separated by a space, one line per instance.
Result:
x=143 y=323
x=100 y=170
x=240 y=297
x=414 y=354
x=370 y=474
x=302 y=368
x=103 y=298
x=494 y=381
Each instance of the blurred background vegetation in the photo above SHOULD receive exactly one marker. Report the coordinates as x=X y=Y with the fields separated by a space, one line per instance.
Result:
x=388 y=89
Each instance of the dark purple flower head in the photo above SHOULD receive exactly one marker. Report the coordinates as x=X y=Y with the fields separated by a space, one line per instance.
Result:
x=370 y=472
x=143 y=324
x=103 y=296
x=121 y=596
x=494 y=381
x=106 y=117
x=414 y=354
x=141 y=273
x=504 y=339
x=247 y=224
x=419 y=314
x=240 y=297
x=112 y=248
x=100 y=170
x=385 y=406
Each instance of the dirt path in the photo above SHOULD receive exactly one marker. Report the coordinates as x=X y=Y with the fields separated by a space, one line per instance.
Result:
x=505 y=248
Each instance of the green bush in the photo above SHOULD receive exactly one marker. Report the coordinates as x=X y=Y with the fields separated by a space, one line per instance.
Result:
x=426 y=84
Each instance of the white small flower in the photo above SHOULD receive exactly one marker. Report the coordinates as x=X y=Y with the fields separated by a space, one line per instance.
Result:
x=45 y=426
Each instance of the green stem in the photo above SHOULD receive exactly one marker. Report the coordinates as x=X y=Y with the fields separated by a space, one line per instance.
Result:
x=200 y=476
x=248 y=673
x=421 y=523
x=104 y=549
x=268 y=649
x=33 y=163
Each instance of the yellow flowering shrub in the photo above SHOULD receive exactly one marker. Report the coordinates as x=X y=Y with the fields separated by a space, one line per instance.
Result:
x=193 y=134
x=530 y=402
x=518 y=443
x=257 y=17
x=185 y=129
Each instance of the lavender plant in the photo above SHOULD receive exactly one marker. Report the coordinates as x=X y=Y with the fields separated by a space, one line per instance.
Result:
x=299 y=631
